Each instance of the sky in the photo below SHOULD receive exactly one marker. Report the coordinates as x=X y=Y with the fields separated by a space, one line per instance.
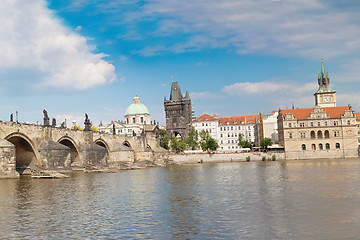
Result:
x=235 y=57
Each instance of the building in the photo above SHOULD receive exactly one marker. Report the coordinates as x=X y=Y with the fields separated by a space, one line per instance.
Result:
x=137 y=113
x=178 y=112
x=267 y=127
x=136 y=117
x=325 y=131
x=226 y=130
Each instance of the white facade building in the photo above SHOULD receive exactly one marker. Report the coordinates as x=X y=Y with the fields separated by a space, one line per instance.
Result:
x=226 y=130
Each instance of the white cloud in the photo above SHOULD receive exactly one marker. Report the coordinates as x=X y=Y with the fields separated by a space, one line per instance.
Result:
x=53 y=56
x=269 y=88
x=205 y=95
x=305 y=28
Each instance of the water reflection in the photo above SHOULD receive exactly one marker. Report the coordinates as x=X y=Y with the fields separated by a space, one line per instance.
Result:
x=317 y=199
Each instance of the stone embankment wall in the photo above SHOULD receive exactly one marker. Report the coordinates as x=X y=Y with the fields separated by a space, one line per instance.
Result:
x=222 y=157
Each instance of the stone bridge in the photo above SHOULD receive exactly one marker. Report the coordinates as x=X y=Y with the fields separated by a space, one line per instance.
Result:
x=27 y=146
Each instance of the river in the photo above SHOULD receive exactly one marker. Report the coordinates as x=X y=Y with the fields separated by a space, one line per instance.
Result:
x=316 y=199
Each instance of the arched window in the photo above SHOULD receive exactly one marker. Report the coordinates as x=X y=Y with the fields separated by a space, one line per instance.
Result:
x=337 y=145
x=327 y=146
x=313 y=146
x=327 y=134
x=320 y=146
x=303 y=147
x=312 y=134
x=319 y=134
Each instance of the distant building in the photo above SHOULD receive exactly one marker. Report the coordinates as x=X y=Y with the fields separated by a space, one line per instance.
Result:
x=267 y=127
x=226 y=130
x=325 y=131
x=136 y=117
x=137 y=113
x=178 y=112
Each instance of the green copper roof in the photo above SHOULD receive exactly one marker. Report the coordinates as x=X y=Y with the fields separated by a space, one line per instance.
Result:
x=323 y=80
x=136 y=108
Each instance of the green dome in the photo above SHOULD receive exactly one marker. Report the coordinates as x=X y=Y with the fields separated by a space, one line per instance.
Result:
x=136 y=108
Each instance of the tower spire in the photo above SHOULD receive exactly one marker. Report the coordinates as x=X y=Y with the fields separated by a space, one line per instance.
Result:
x=322 y=68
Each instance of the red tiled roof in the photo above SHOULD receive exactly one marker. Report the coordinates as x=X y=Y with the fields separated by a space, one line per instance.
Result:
x=232 y=120
x=238 y=119
x=357 y=115
x=303 y=113
x=205 y=117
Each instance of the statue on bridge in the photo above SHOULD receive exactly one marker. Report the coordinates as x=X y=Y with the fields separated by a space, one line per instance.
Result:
x=12 y=117
x=53 y=122
x=87 y=123
x=46 y=118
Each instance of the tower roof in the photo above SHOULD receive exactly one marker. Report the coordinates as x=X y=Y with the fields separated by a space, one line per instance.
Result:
x=323 y=80
x=175 y=94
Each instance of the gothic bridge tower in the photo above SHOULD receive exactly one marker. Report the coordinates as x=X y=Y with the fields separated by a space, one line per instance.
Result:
x=178 y=112
x=325 y=96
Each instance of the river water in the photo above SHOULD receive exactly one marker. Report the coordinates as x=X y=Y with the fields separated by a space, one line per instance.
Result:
x=317 y=199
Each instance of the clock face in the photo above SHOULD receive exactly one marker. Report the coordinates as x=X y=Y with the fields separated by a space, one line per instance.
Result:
x=326 y=99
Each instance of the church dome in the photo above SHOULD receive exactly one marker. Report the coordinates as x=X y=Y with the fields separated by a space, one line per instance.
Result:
x=136 y=108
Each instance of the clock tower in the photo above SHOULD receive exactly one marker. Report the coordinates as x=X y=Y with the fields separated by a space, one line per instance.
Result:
x=325 y=96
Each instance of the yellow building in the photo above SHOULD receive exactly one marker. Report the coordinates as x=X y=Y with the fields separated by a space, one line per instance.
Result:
x=325 y=131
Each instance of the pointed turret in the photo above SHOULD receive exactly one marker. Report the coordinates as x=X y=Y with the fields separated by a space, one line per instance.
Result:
x=187 y=96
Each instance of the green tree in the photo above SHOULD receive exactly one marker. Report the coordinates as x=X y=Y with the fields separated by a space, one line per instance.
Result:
x=265 y=142
x=243 y=143
x=164 y=138
x=208 y=143
x=177 y=145
x=192 y=140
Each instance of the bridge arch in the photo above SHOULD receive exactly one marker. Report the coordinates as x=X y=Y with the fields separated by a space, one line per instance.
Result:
x=74 y=149
x=26 y=152
x=101 y=142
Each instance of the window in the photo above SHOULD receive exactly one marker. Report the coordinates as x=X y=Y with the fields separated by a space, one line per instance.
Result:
x=134 y=120
x=141 y=119
x=302 y=135
x=312 y=124
x=202 y=124
x=325 y=123
x=320 y=146
x=313 y=146
x=336 y=133
x=312 y=134
x=221 y=142
x=327 y=146
x=319 y=124
x=303 y=147
x=348 y=122
x=319 y=134
x=337 y=145
x=302 y=124
x=221 y=135
x=327 y=134
x=336 y=123
x=290 y=135
x=231 y=128
x=289 y=125
x=220 y=128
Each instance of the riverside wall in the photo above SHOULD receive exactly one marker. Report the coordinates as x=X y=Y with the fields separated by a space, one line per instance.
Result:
x=222 y=157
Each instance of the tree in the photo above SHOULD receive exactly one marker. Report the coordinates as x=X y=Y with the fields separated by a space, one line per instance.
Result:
x=243 y=143
x=164 y=138
x=177 y=145
x=265 y=142
x=208 y=143
x=192 y=140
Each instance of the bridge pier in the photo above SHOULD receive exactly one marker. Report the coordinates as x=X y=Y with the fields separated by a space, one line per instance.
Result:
x=7 y=160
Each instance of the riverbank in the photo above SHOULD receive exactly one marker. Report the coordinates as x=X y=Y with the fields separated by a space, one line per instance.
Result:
x=223 y=157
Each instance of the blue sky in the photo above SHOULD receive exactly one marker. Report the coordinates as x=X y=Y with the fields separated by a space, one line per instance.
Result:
x=235 y=57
